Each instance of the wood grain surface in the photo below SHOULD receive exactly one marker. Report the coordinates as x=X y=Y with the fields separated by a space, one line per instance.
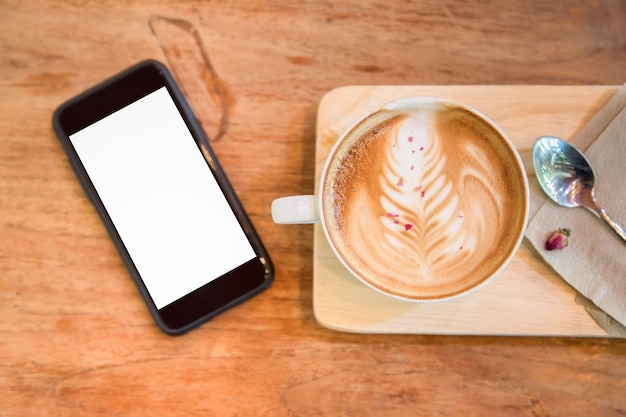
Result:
x=75 y=338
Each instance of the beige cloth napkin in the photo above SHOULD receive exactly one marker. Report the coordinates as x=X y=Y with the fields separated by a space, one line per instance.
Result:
x=594 y=263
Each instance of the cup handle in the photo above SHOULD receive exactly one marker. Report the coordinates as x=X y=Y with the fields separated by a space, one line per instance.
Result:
x=296 y=209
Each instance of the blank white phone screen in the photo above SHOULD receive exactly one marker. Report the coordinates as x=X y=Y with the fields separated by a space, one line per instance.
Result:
x=162 y=197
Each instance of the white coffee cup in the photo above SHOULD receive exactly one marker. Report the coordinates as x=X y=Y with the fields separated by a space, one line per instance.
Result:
x=423 y=199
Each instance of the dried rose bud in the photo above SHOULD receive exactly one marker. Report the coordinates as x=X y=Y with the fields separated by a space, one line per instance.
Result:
x=558 y=240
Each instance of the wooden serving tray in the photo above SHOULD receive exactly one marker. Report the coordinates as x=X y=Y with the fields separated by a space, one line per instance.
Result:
x=528 y=297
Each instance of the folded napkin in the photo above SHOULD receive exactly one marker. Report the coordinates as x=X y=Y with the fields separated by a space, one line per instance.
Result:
x=594 y=262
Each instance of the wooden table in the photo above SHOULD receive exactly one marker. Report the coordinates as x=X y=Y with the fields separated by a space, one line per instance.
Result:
x=75 y=337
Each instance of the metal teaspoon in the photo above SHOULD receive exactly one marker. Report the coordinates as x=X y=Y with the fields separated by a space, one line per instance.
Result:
x=567 y=177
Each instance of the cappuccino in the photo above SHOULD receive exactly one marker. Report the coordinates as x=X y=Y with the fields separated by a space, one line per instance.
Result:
x=424 y=200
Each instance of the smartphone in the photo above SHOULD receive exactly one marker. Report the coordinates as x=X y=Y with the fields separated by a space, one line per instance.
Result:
x=147 y=167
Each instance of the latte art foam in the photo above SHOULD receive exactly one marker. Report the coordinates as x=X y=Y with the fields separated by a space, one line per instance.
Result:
x=426 y=203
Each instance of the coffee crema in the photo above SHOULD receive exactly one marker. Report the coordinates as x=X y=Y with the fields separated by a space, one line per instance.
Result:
x=425 y=203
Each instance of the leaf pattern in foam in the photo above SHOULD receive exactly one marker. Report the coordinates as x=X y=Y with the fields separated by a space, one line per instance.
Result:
x=424 y=218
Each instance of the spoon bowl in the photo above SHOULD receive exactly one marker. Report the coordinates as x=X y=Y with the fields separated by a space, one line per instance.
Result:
x=568 y=178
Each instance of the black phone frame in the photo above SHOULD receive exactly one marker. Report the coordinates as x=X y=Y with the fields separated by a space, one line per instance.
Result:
x=105 y=99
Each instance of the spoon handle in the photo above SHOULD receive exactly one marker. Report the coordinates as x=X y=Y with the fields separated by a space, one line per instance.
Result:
x=619 y=230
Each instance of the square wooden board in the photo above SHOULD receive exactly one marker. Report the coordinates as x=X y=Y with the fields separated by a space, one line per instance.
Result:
x=527 y=298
